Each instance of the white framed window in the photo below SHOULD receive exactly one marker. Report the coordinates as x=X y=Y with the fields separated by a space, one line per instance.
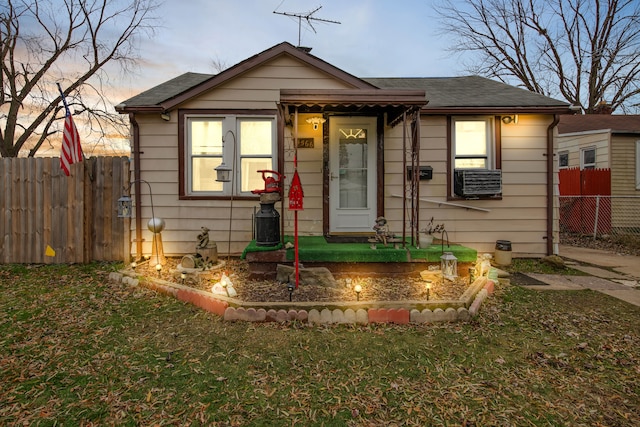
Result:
x=563 y=160
x=588 y=158
x=249 y=146
x=473 y=142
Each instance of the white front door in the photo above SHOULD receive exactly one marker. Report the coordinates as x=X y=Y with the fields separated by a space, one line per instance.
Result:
x=352 y=174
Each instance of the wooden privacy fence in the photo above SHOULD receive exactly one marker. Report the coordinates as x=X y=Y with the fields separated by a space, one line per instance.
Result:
x=586 y=182
x=74 y=215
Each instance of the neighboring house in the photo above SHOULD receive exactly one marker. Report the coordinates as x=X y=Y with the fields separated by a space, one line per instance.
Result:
x=599 y=154
x=486 y=150
x=603 y=141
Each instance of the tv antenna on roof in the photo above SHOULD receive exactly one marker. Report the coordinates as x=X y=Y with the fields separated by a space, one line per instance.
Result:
x=308 y=17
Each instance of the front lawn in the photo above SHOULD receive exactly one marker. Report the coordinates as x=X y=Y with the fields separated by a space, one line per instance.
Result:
x=77 y=349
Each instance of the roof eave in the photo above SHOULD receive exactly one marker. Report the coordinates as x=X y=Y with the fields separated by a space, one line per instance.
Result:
x=124 y=109
x=497 y=110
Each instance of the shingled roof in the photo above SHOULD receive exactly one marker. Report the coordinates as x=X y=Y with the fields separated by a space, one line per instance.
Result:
x=593 y=122
x=444 y=94
x=469 y=92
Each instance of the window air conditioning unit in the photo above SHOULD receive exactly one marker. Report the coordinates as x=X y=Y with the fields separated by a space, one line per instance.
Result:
x=472 y=183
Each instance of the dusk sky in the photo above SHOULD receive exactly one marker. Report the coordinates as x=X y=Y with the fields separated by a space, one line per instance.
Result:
x=375 y=38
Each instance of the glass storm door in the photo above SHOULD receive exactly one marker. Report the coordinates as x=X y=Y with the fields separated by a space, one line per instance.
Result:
x=352 y=174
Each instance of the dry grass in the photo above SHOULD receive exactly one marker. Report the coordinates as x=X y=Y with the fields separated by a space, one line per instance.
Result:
x=79 y=350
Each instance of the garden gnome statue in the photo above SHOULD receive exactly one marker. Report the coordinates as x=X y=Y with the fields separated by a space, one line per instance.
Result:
x=207 y=249
x=382 y=230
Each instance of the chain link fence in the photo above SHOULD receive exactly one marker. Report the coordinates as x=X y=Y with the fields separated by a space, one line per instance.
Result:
x=601 y=216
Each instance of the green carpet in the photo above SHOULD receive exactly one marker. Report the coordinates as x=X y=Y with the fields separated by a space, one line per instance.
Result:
x=316 y=248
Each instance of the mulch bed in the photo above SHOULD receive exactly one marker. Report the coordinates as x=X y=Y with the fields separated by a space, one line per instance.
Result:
x=374 y=288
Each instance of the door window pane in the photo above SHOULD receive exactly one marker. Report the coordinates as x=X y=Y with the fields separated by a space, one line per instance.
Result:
x=353 y=154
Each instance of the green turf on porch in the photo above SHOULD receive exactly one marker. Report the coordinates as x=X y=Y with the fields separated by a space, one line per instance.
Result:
x=316 y=249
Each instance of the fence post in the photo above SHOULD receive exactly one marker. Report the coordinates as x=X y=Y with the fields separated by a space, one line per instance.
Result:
x=595 y=222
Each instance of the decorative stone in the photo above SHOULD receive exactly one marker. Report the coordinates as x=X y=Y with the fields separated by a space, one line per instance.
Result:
x=337 y=316
x=398 y=316
x=302 y=315
x=325 y=316
x=427 y=316
x=272 y=316
x=307 y=276
x=218 y=289
x=292 y=315
x=463 y=314
x=314 y=316
x=438 y=315
x=415 y=316
x=230 y=314
x=349 y=316
x=261 y=314
x=378 y=315
x=451 y=314
x=362 y=317
x=282 y=316
x=252 y=315
x=241 y=313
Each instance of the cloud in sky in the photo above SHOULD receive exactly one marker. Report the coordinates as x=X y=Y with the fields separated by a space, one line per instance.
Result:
x=375 y=38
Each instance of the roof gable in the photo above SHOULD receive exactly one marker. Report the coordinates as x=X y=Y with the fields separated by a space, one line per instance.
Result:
x=190 y=85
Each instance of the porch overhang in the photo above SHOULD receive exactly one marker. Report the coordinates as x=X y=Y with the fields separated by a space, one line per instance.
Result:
x=393 y=102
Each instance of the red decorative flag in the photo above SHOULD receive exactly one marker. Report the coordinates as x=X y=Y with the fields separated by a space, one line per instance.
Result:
x=71 y=151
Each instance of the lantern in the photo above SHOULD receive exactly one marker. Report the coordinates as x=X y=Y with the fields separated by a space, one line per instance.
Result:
x=124 y=207
x=223 y=173
x=449 y=265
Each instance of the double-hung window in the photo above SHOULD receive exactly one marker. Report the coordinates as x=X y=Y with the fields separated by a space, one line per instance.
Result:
x=249 y=146
x=473 y=142
x=588 y=158
x=474 y=152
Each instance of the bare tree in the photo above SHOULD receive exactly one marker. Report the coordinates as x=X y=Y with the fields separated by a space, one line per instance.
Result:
x=71 y=42
x=585 y=51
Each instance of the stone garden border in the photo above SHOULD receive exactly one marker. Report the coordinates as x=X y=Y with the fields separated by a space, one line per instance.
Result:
x=360 y=312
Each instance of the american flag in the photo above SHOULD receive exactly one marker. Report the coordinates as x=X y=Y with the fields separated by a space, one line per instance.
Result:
x=71 y=151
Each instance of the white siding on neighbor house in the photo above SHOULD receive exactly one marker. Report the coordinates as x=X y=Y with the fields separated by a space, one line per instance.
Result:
x=575 y=142
x=256 y=89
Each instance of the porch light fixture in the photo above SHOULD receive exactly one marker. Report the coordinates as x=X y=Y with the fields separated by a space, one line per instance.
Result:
x=510 y=119
x=155 y=225
x=224 y=174
x=316 y=122
x=449 y=265
x=357 y=288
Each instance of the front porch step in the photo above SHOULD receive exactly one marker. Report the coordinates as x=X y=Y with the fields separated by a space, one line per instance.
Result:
x=352 y=258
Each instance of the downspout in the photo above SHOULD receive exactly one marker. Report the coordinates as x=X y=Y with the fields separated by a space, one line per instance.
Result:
x=136 y=179
x=550 y=185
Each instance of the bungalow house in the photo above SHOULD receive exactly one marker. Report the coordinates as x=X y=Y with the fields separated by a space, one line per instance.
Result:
x=603 y=141
x=599 y=154
x=482 y=153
